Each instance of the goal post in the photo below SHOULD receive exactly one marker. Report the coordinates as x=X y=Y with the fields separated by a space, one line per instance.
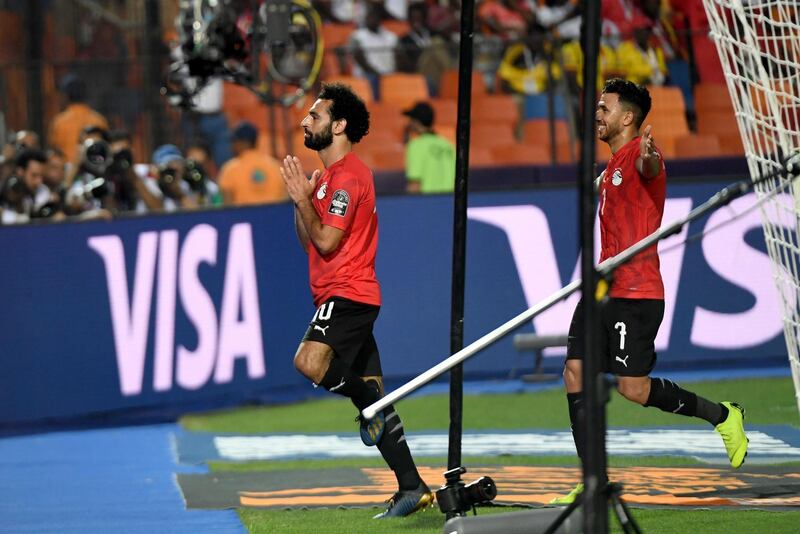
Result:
x=758 y=42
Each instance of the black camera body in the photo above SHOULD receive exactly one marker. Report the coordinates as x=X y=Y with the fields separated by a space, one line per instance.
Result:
x=456 y=498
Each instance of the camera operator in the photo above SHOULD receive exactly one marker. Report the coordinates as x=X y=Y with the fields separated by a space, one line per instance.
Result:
x=15 y=144
x=17 y=197
x=49 y=197
x=90 y=190
x=130 y=192
x=183 y=183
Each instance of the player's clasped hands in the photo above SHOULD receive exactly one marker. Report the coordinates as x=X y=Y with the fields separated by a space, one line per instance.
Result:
x=298 y=185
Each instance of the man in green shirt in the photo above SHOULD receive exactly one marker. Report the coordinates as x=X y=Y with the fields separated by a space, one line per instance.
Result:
x=430 y=158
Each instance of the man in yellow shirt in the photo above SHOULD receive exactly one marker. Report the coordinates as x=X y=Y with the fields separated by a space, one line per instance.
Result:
x=66 y=128
x=251 y=177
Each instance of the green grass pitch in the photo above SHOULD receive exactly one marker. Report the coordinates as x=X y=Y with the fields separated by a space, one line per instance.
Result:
x=767 y=401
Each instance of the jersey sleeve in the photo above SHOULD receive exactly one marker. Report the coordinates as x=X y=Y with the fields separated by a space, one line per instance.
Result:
x=342 y=203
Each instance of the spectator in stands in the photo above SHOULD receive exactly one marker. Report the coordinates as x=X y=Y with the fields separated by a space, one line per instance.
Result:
x=17 y=198
x=523 y=69
x=413 y=44
x=430 y=158
x=421 y=51
x=130 y=191
x=198 y=151
x=373 y=49
x=562 y=18
x=49 y=200
x=90 y=133
x=28 y=139
x=66 y=127
x=180 y=186
x=203 y=118
x=639 y=60
x=89 y=190
x=572 y=57
x=17 y=142
x=444 y=19
x=507 y=19
x=207 y=121
x=251 y=177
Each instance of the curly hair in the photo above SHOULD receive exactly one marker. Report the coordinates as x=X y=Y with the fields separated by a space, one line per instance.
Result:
x=347 y=105
x=632 y=96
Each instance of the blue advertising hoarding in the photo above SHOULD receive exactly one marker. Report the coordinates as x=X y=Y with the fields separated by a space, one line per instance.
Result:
x=170 y=312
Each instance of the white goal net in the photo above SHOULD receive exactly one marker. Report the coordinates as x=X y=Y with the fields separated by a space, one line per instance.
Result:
x=759 y=47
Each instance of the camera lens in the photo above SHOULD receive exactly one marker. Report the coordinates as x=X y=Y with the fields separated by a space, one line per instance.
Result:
x=482 y=490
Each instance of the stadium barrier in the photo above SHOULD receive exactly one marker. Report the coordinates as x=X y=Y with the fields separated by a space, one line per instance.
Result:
x=160 y=315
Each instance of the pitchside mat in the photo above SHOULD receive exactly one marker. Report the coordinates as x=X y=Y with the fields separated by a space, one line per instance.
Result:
x=754 y=486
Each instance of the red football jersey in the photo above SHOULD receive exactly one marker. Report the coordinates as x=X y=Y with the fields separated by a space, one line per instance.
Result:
x=631 y=208
x=345 y=199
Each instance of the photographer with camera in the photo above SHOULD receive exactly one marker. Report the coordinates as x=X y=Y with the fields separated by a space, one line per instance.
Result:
x=49 y=197
x=182 y=183
x=17 y=142
x=89 y=189
x=130 y=191
x=17 y=197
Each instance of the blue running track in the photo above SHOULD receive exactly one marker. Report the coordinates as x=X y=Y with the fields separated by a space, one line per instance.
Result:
x=111 y=480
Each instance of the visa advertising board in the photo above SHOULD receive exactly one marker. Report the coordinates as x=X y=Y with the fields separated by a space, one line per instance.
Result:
x=206 y=309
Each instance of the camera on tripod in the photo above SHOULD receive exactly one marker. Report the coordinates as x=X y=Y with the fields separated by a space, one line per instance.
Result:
x=456 y=498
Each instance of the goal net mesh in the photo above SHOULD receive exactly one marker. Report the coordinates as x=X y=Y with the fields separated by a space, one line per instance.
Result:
x=759 y=47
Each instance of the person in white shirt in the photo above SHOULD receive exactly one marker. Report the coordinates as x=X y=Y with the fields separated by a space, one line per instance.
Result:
x=373 y=49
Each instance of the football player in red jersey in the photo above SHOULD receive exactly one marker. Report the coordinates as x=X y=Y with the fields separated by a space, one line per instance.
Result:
x=631 y=191
x=337 y=225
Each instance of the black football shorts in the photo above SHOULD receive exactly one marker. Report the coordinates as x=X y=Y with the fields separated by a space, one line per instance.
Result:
x=626 y=338
x=346 y=327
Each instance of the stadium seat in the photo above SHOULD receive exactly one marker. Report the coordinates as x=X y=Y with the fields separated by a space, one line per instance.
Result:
x=535 y=107
x=491 y=135
x=495 y=109
x=520 y=154
x=387 y=118
x=445 y=111
x=602 y=153
x=536 y=132
x=667 y=99
x=697 y=146
x=397 y=27
x=723 y=125
x=446 y=131
x=403 y=90
x=335 y=38
x=480 y=157
x=680 y=76
x=336 y=34
x=712 y=97
x=389 y=158
x=239 y=103
x=666 y=127
x=448 y=85
x=360 y=85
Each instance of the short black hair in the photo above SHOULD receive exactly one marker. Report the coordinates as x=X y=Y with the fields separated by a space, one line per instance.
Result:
x=30 y=154
x=347 y=105
x=635 y=97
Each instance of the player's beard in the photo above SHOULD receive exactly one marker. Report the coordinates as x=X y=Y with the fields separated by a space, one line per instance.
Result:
x=321 y=140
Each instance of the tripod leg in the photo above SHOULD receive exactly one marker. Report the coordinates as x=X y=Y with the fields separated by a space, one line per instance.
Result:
x=564 y=515
x=626 y=520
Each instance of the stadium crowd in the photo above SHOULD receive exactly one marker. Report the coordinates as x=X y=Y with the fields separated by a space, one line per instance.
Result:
x=399 y=55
